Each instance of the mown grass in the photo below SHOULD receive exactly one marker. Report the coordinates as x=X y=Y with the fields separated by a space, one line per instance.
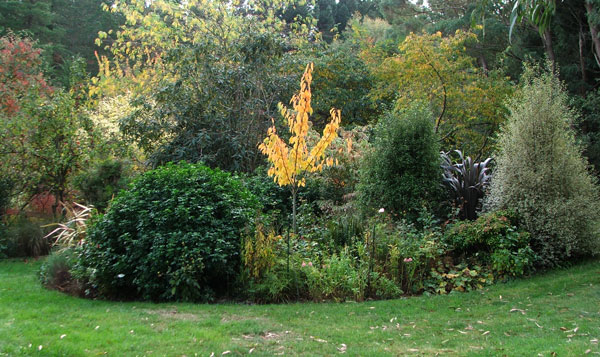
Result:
x=557 y=312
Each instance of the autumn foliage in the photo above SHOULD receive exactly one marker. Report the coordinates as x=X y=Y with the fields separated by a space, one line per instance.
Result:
x=290 y=161
x=19 y=72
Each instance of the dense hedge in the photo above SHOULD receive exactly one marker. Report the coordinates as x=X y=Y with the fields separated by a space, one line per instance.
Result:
x=173 y=235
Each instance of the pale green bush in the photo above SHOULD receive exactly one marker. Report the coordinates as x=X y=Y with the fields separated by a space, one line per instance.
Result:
x=542 y=175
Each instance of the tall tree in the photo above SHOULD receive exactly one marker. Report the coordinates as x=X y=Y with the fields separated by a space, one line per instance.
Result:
x=43 y=136
x=466 y=102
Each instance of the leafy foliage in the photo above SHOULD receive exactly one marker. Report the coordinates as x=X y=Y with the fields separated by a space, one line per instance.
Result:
x=44 y=134
x=342 y=81
x=24 y=237
x=589 y=127
x=6 y=188
x=402 y=173
x=101 y=183
x=541 y=174
x=493 y=240
x=444 y=279
x=214 y=103
x=174 y=235
x=468 y=181
x=467 y=103
x=20 y=73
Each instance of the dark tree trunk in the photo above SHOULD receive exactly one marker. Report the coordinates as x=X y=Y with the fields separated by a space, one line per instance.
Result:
x=547 y=40
x=582 y=60
x=589 y=7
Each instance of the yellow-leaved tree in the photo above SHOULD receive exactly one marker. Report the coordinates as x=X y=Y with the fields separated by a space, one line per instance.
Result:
x=289 y=161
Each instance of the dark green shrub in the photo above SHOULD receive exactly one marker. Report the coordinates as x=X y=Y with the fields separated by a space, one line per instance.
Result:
x=173 y=235
x=6 y=187
x=3 y=241
x=345 y=228
x=493 y=240
x=589 y=126
x=406 y=253
x=542 y=175
x=100 y=184
x=402 y=173
x=275 y=200
x=5 y=194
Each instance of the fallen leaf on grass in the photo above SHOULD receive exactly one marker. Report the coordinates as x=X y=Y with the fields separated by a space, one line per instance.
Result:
x=517 y=310
x=413 y=350
x=62 y=336
x=485 y=333
x=538 y=325
x=40 y=347
x=463 y=332
x=225 y=353
x=342 y=348
x=587 y=351
x=270 y=335
x=318 y=339
x=443 y=342
x=594 y=341
x=563 y=329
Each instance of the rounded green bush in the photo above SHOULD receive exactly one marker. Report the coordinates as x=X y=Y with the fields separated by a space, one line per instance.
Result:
x=173 y=235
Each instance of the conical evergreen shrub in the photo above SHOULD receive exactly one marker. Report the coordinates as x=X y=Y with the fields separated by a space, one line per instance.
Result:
x=542 y=174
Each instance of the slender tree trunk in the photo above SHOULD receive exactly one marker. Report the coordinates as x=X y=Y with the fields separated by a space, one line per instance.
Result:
x=484 y=65
x=547 y=40
x=582 y=60
x=589 y=7
x=295 y=228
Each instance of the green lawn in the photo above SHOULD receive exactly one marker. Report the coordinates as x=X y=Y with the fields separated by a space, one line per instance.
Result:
x=555 y=312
